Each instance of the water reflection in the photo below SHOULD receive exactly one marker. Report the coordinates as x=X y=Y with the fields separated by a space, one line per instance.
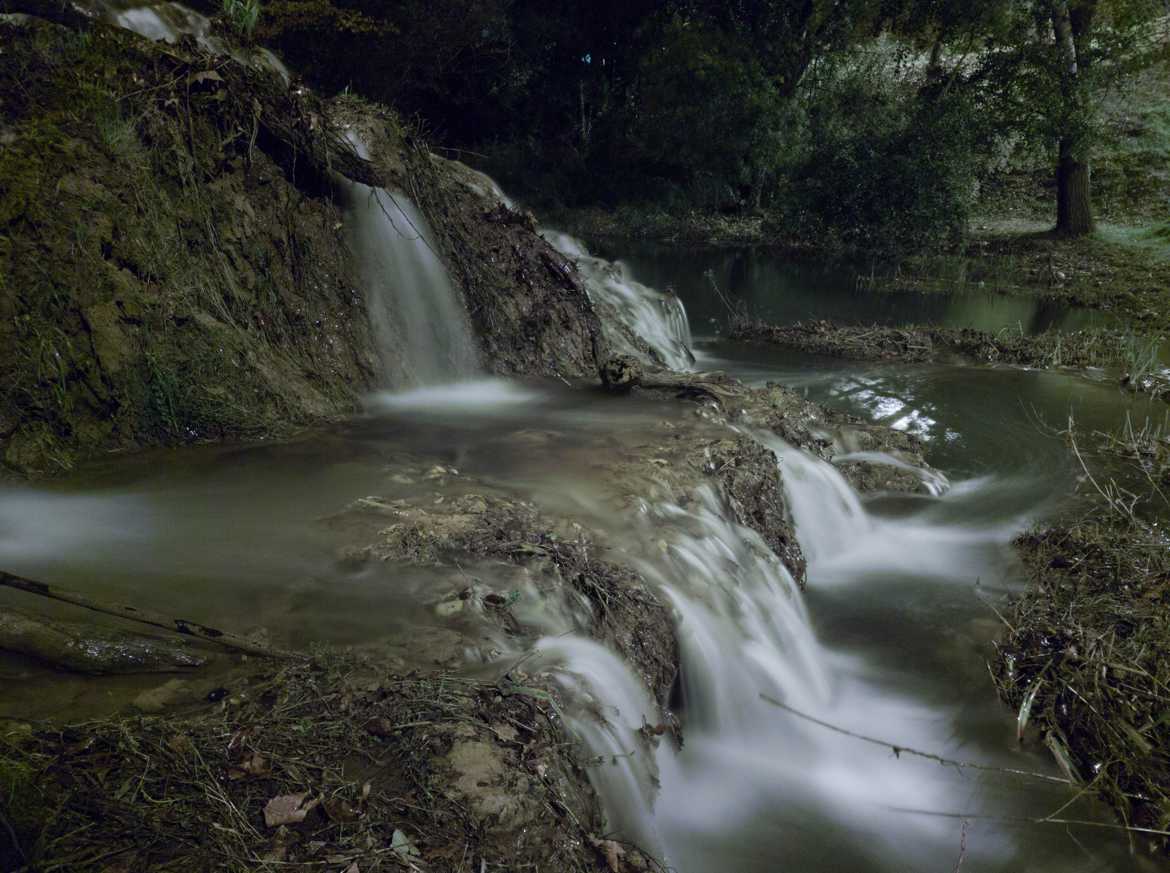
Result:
x=779 y=289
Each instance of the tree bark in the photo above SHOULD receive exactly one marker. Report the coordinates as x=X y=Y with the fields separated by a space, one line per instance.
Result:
x=1074 y=202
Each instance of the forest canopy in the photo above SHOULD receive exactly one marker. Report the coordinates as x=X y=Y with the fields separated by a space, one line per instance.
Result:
x=808 y=111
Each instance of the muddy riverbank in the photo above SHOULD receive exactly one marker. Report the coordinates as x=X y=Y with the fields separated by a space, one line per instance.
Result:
x=405 y=754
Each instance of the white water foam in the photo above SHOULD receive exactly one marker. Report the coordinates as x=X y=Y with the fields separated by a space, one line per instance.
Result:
x=474 y=397
x=659 y=319
x=420 y=324
x=746 y=641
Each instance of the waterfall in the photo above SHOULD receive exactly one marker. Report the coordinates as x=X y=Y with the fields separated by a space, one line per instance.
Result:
x=419 y=321
x=746 y=642
x=659 y=319
x=166 y=22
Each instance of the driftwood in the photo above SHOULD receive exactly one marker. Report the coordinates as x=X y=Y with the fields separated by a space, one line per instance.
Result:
x=622 y=373
x=91 y=650
x=143 y=616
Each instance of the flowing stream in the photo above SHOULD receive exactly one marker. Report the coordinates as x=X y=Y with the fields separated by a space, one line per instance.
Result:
x=418 y=317
x=889 y=641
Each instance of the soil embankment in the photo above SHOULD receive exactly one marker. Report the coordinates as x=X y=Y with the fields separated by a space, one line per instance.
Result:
x=926 y=343
x=174 y=265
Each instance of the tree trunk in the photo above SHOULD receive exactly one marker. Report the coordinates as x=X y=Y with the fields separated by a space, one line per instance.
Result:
x=1074 y=204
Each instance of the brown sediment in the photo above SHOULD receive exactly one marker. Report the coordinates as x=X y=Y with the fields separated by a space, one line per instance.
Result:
x=1099 y=347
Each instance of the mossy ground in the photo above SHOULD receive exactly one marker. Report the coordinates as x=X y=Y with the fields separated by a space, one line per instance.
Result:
x=163 y=279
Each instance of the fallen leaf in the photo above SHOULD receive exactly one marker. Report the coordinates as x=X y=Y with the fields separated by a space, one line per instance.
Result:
x=288 y=809
x=613 y=852
x=1026 y=708
x=402 y=846
x=206 y=76
x=381 y=727
x=256 y=765
x=180 y=744
x=353 y=868
x=340 y=810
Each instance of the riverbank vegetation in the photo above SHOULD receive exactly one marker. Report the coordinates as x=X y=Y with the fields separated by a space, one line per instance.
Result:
x=1084 y=658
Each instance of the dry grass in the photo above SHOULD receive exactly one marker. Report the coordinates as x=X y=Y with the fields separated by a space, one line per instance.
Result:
x=189 y=794
x=1085 y=659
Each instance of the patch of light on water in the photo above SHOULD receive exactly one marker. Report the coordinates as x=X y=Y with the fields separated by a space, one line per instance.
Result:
x=473 y=396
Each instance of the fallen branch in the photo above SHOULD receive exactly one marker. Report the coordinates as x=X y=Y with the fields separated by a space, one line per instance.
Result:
x=142 y=616
x=92 y=650
x=901 y=750
x=622 y=373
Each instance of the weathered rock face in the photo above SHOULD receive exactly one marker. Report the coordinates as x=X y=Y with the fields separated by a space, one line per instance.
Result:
x=173 y=265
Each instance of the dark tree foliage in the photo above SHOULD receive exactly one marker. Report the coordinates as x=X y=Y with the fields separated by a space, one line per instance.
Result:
x=737 y=105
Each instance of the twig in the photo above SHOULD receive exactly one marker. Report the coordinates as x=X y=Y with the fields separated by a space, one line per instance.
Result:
x=1133 y=829
x=962 y=847
x=899 y=750
x=143 y=616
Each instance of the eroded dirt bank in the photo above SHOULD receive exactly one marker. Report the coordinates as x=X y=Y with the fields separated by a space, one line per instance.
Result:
x=923 y=343
x=173 y=260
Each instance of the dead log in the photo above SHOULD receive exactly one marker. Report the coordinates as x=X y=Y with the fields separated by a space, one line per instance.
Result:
x=182 y=626
x=91 y=650
x=622 y=373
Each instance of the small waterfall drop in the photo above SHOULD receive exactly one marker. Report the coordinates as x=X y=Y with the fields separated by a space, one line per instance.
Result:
x=746 y=643
x=660 y=319
x=418 y=317
x=166 y=22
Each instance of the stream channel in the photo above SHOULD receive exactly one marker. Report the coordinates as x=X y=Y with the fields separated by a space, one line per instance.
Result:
x=890 y=639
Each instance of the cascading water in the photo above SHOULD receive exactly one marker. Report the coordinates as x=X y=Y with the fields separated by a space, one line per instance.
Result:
x=749 y=766
x=418 y=317
x=166 y=22
x=660 y=320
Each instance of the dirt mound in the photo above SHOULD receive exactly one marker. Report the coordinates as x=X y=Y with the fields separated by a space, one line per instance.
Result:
x=173 y=266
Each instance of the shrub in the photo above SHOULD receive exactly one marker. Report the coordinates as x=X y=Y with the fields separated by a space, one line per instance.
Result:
x=242 y=15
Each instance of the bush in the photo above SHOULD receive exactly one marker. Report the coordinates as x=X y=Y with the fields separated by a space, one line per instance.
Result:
x=242 y=15
x=883 y=164
x=708 y=120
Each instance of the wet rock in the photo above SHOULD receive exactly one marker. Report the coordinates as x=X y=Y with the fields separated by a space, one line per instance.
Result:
x=621 y=373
